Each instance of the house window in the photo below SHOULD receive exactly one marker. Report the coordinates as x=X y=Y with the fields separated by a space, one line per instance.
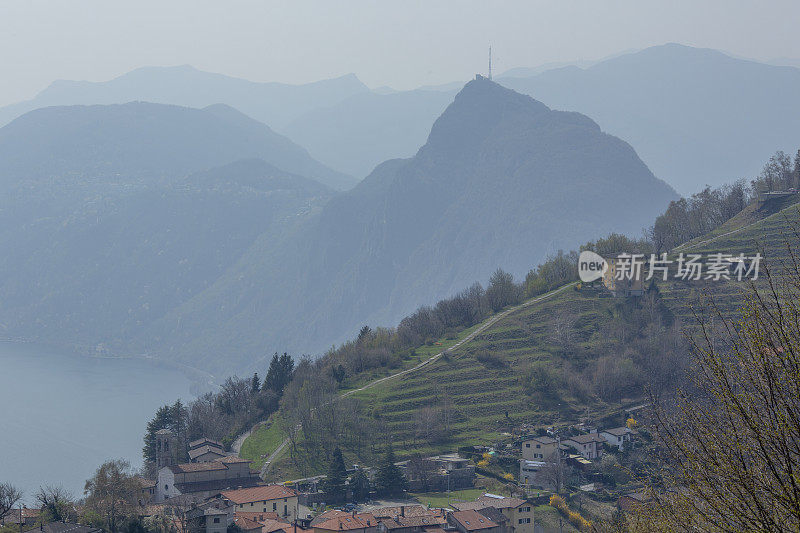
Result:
x=166 y=487
x=538 y=445
x=285 y=510
x=274 y=506
x=527 y=444
x=216 y=520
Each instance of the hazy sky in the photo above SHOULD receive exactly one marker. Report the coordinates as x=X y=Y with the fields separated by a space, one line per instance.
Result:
x=403 y=44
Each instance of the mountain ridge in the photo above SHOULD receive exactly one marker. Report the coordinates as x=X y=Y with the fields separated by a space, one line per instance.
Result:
x=270 y=102
x=147 y=141
x=408 y=233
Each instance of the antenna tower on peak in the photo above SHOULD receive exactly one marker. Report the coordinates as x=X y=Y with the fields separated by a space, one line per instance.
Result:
x=490 y=62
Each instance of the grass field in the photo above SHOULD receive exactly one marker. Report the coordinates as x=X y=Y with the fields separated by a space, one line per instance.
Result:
x=442 y=499
x=263 y=442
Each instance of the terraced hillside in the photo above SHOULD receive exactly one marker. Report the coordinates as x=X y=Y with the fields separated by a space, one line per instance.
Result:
x=767 y=229
x=488 y=393
x=524 y=368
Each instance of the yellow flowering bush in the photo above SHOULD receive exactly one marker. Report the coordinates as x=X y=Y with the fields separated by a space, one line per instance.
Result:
x=574 y=517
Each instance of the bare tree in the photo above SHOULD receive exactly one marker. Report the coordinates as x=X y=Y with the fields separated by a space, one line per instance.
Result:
x=9 y=496
x=554 y=472
x=562 y=330
x=732 y=444
x=112 y=493
x=57 y=503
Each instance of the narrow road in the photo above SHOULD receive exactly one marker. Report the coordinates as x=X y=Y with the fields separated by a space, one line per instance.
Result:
x=691 y=244
x=487 y=324
x=236 y=446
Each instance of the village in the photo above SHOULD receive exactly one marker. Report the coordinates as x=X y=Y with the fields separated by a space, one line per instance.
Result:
x=219 y=492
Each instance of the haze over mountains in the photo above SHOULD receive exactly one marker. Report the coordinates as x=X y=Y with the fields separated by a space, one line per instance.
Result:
x=142 y=143
x=695 y=116
x=275 y=104
x=203 y=236
x=216 y=268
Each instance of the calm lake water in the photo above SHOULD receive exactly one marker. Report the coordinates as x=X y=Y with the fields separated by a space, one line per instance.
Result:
x=62 y=415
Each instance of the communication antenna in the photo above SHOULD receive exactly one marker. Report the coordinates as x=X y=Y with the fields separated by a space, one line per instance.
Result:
x=490 y=62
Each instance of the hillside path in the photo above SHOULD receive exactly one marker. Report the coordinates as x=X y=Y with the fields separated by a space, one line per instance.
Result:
x=486 y=324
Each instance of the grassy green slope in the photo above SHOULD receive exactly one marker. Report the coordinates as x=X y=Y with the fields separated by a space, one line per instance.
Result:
x=767 y=235
x=483 y=396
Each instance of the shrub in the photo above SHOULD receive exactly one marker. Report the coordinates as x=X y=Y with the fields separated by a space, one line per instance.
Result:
x=574 y=517
x=490 y=359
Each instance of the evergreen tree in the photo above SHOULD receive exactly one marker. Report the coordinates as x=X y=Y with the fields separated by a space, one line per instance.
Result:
x=286 y=369
x=161 y=420
x=359 y=484
x=334 y=485
x=256 y=384
x=279 y=374
x=174 y=417
x=390 y=480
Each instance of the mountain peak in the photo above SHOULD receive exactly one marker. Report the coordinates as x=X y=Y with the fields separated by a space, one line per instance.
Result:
x=477 y=110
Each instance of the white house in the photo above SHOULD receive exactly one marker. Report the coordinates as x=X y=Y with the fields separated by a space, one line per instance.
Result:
x=539 y=448
x=588 y=445
x=617 y=436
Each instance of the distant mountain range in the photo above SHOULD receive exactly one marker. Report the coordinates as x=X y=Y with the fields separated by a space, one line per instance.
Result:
x=114 y=240
x=142 y=143
x=695 y=116
x=275 y=104
x=358 y=133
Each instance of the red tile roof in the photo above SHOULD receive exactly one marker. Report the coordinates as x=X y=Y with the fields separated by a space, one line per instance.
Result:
x=245 y=524
x=472 y=520
x=405 y=510
x=345 y=522
x=258 y=494
x=490 y=501
x=271 y=526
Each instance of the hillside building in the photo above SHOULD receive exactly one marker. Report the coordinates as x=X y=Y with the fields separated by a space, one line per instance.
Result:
x=204 y=479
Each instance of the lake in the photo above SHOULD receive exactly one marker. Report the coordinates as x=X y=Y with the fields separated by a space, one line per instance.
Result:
x=63 y=415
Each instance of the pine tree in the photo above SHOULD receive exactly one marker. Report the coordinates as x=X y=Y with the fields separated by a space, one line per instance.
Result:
x=334 y=485
x=280 y=373
x=390 y=480
x=174 y=417
x=359 y=484
x=161 y=420
x=256 y=384
x=272 y=381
